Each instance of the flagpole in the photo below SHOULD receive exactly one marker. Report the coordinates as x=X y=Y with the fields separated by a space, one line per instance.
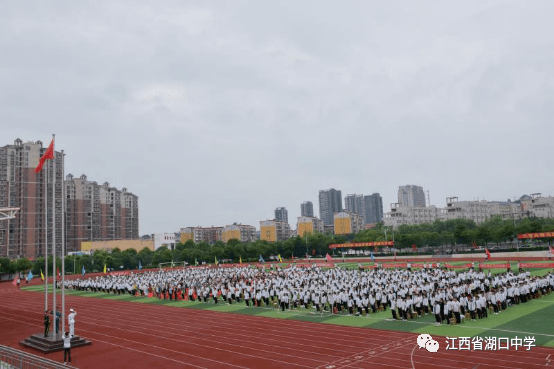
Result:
x=54 y=228
x=46 y=239
x=63 y=243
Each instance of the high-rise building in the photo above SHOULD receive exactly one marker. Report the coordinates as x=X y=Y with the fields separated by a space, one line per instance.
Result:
x=282 y=215
x=27 y=235
x=98 y=213
x=330 y=202
x=370 y=207
x=307 y=209
x=373 y=208
x=411 y=196
x=354 y=204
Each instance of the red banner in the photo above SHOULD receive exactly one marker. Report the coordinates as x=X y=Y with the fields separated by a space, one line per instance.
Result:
x=394 y=265
x=536 y=235
x=361 y=244
x=536 y=265
x=494 y=266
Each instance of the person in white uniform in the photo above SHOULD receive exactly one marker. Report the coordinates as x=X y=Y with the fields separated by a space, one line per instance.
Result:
x=71 y=321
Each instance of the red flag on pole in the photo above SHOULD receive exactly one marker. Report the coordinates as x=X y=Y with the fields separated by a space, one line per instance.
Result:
x=414 y=247
x=48 y=155
x=328 y=257
x=488 y=254
x=14 y=281
x=552 y=250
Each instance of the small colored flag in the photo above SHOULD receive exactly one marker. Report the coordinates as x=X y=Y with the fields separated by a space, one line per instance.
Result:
x=280 y=260
x=372 y=257
x=104 y=268
x=58 y=271
x=552 y=250
x=488 y=254
x=328 y=257
x=14 y=281
x=30 y=276
x=48 y=155
x=41 y=275
x=414 y=247
x=313 y=252
x=196 y=262
x=240 y=260
x=261 y=259
x=140 y=265
x=83 y=271
x=172 y=264
x=292 y=257
x=216 y=262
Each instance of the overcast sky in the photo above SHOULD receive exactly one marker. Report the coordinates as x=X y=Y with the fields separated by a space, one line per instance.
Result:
x=219 y=112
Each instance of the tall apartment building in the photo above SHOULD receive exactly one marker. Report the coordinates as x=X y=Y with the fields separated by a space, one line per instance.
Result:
x=354 y=204
x=330 y=202
x=308 y=225
x=98 y=212
x=241 y=232
x=282 y=215
x=373 y=208
x=273 y=230
x=370 y=207
x=20 y=186
x=411 y=195
x=307 y=209
x=347 y=222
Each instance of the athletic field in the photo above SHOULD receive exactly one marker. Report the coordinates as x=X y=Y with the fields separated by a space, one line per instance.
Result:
x=137 y=332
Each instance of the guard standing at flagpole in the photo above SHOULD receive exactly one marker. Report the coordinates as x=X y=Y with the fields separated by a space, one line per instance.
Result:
x=71 y=321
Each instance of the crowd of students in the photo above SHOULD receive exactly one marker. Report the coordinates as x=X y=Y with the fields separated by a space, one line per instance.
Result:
x=447 y=294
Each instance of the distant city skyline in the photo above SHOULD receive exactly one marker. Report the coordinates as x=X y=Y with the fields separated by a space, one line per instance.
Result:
x=216 y=113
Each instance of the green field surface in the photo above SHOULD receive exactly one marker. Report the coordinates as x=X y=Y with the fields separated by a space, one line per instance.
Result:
x=531 y=319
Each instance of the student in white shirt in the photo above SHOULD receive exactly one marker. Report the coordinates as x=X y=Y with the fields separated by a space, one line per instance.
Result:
x=67 y=348
x=456 y=310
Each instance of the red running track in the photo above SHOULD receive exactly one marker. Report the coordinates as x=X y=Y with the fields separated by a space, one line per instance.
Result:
x=134 y=335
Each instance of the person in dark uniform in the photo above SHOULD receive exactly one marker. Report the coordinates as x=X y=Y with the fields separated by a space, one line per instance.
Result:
x=46 y=323
x=56 y=318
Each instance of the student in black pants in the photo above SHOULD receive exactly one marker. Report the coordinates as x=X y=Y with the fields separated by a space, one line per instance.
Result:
x=67 y=348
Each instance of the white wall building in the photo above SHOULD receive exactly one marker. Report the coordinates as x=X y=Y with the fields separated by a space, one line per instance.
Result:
x=165 y=239
x=412 y=215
